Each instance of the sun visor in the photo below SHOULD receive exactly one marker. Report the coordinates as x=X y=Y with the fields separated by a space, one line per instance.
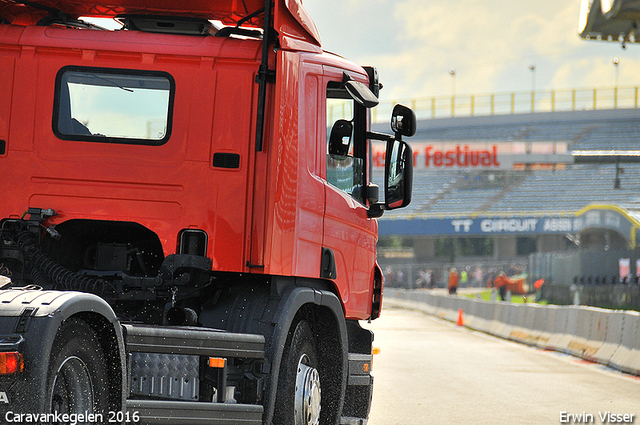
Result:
x=295 y=26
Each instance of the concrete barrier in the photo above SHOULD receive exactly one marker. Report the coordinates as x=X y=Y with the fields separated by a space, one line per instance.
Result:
x=548 y=316
x=507 y=320
x=519 y=332
x=586 y=341
x=471 y=314
x=496 y=318
x=537 y=323
x=558 y=335
x=613 y=337
x=484 y=316
x=596 y=333
x=627 y=356
x=605 y=336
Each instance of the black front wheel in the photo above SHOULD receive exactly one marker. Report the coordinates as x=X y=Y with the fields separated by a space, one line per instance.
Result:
x=77 y=381
x=299 y=397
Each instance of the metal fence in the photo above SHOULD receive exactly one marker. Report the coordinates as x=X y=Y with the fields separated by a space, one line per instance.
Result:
x=505 y=103
x=414 y=275
x=586 y=267
x=615 y=296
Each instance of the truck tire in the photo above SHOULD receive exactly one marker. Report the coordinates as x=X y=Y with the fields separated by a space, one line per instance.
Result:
x=77 y=380
x=298 y=401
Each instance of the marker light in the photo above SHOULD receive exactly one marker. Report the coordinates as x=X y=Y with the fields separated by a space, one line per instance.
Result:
x=11 y=362
x=376 y=350
x=217 y=362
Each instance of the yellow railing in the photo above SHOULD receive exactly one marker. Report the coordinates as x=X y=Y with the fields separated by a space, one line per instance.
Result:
x=514 y=103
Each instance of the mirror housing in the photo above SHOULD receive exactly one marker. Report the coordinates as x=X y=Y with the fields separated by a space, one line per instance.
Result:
x=398 y=178
x=340 y=138
x=398 y=175
x=359 y=92
x=398 y=167
x=403 y=121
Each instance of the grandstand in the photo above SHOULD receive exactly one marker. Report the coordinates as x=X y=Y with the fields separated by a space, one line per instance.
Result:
x=556 y=197
x=518 y=206
x=554 y=189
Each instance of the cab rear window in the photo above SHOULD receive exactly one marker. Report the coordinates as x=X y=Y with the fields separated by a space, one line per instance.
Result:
x=113 y=105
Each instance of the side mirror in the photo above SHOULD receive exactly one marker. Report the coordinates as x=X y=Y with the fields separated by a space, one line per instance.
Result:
x=398 y=175
x=403 y=121
x=359 y=92
x=340 y=138
x=398 y=167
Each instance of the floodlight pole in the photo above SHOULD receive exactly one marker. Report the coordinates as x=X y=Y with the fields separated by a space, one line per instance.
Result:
x=453 y=91
x=616 y=64
x=532 y=67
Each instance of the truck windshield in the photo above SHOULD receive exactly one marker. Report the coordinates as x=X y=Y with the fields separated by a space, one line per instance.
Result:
x=113 y=106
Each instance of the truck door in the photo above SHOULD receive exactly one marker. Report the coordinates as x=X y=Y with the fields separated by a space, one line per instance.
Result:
x=349 y=234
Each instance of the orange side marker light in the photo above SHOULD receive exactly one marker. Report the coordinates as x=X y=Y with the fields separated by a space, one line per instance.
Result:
x=217 y=362
x=11 y=362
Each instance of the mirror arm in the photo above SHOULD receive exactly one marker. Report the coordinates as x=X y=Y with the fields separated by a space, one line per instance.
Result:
x=379 y=136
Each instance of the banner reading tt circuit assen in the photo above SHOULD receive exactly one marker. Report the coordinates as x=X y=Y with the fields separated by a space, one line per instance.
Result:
x=603 y=217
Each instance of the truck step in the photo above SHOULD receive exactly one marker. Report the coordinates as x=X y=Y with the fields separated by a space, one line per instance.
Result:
x=346 y=420
x=163 y=412
x=192 y=340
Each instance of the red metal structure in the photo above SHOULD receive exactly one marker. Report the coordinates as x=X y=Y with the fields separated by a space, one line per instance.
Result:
x=192 y=178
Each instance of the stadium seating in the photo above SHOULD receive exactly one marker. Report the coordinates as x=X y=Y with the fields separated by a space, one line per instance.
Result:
x=565 y=189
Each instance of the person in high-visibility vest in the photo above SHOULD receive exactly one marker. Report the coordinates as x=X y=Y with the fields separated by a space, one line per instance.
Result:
x=501 y=282
x=453 y=281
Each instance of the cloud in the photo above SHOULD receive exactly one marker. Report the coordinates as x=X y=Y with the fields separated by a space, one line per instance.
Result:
x=491 y=45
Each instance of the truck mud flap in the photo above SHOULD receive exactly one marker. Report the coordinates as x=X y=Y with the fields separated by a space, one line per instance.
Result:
x=162 y=412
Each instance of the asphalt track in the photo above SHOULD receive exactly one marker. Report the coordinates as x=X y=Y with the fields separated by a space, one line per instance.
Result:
x=430 y=371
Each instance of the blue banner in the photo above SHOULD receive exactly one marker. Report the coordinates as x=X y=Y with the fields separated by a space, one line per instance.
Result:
x=479 y=226
x=604 y=217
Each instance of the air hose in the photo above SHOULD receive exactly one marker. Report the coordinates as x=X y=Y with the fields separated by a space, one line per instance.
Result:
x=61 y=277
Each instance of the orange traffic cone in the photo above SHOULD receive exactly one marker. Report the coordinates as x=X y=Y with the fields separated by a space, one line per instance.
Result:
x=460 y=317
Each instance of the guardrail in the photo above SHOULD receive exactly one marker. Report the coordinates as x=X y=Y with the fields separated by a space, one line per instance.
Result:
x=581 y=99
x=608 y=337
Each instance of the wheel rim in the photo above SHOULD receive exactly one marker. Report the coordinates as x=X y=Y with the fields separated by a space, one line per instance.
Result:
x=308 y=393
x=72 y=388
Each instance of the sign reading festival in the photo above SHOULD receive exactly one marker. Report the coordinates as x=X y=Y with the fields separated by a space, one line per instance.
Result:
x=473 y=155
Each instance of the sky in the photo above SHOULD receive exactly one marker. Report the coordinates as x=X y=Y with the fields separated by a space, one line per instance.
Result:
x=491 y=45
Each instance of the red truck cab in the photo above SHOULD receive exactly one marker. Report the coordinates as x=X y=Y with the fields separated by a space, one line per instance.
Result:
x=200 y=175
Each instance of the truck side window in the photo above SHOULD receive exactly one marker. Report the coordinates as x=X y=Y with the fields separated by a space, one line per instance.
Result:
x=345 y=167
x=113 y=105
